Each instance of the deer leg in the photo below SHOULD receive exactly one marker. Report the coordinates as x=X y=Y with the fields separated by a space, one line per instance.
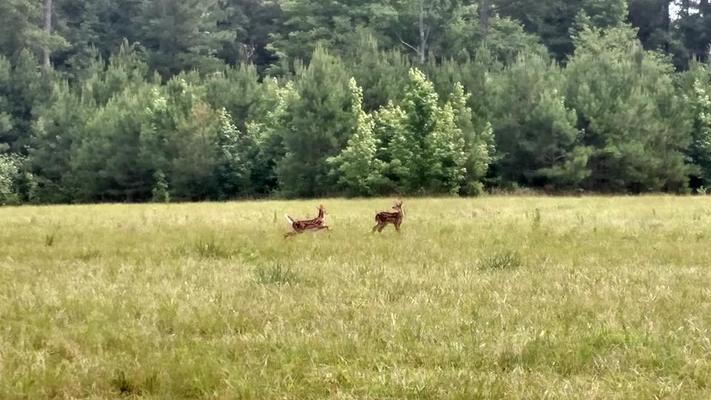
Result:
x=397 y=227
x=375 y=227
x=381 y=227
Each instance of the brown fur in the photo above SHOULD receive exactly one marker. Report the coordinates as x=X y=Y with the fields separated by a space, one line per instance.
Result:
x=384 y=218
x=315 y=224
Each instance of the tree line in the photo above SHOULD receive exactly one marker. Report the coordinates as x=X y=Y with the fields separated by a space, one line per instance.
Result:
x=141 y=100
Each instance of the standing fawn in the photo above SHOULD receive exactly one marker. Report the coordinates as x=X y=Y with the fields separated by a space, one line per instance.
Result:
x=302 y=226
x=384 y=218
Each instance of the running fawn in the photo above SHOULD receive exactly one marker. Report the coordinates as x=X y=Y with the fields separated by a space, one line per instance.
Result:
x=302 y=226
x=384 y=218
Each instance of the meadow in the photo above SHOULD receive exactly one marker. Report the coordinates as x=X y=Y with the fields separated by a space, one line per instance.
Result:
x=495 y=297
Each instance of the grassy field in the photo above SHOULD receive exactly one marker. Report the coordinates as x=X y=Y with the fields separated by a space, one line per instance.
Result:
x=575 y=298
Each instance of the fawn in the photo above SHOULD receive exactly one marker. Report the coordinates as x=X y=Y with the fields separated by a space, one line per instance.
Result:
x=384 y=218
x=302 y=226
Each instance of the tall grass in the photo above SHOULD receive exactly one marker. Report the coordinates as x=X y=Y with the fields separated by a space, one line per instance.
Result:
x=576 y=298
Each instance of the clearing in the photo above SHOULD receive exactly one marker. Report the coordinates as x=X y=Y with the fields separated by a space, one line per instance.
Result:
x=497 y=297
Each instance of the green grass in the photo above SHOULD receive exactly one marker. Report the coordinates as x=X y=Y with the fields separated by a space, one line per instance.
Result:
x=576 y=298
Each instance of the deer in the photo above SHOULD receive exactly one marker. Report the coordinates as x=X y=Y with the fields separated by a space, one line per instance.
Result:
x=384 y=218
x=308 y=225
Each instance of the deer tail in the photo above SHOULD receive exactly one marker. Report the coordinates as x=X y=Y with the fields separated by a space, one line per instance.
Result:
x=288 y=218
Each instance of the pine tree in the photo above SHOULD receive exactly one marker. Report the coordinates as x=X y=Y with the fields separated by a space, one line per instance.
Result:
x=308 y=24
x=197 y=159
x=238 y=90
x=537 y=16
x=126 y=70
x=536 y=132
x=25 y=92
x=22 y=28
x=318 y=125
x=253 y=22
x=112 y=161
x=55 y=132
x=630 y=112
x=381 y=73
x=183 y=35
x=693 y=29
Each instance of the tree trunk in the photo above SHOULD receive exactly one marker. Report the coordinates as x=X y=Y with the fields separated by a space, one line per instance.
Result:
x=484 y=13
x=48 y=30
x=422 y=48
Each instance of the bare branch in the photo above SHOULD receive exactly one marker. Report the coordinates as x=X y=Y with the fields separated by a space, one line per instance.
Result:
x=411 y=47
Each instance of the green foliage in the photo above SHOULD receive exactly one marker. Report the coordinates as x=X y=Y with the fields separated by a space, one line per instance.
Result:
x=194 y=159
x=9 y=174
x=428 y=148
x=397 y=146
x=421 y=107
x=253 y=23
x=506 y=40
x=698 y=105
x=55 y=133
x=126 y=69
x=267 y=131
x=23 y=89
x=18 y=27
x=446 y=156
x=20 y=30
x=431 y=29
x=107 y=163
x=308 y=24
x=357 y=168
x=381 y=73
x=605 y=13
x=629 y=111
x=160 y=193
x=479 y=146
x=186 y=34
x=693 y=31
x=6 y=116
x=536 y=132
x=537 y=18
x=239 y=92
x=276 y=275
x=234 y=159
x=501 y=261
x=319 y=122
